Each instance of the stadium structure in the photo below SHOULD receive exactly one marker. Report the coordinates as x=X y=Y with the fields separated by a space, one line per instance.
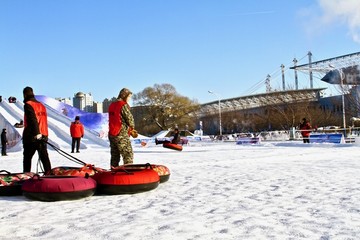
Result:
x=234 y=114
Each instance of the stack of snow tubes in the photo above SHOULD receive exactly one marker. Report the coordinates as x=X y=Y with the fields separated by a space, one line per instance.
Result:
x=72 y=183
x=132 y=178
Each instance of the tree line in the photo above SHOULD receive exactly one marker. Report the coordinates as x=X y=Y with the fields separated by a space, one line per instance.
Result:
x=161 y=107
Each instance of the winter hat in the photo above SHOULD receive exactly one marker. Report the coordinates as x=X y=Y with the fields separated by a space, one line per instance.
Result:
x=77 y=118
x=124 y=93
x=28 y=92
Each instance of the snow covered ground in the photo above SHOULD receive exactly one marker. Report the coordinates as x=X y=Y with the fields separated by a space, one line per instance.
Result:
x=279 y=190
x=274 y=190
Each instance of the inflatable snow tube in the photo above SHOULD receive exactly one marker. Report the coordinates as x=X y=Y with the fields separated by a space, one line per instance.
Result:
x=10 y=183
x=163 y=171
x=173 y=146
x=58 y=188
x=248 y=140
x=126 y=181
x=75 y=171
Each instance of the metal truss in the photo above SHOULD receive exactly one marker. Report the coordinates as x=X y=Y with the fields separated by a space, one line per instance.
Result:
x=260 y=100
x=329 y=64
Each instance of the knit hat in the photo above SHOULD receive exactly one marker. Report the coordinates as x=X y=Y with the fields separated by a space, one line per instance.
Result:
x=77 y=118
x=28 y=92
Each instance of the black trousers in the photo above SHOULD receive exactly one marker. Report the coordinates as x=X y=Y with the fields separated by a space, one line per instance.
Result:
x=75 y=141
x=162 y=141
x=29 y=151
x=166 y=141
x=3 y=150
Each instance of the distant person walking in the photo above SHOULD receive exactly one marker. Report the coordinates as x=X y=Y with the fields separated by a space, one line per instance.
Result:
x=4 y=142
x=76 y=132
x=121 y=126
x=35 y=134
x=305 y=129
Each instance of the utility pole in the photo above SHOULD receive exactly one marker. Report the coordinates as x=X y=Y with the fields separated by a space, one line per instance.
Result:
x=296 y=76
x=310 y=70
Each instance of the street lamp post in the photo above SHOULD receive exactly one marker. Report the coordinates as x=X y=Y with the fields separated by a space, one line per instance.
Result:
x=342 y=78
x=220 y=126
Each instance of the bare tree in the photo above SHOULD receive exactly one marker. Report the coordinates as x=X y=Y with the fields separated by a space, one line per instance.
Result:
x=165 y=108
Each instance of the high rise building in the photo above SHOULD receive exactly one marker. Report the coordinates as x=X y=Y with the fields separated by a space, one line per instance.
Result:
x=83 y=101
x=106 y=103
x=98 y=107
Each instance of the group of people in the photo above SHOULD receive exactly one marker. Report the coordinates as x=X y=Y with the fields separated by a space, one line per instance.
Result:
x=10 y=99
x=35 y=133
x=121 y=127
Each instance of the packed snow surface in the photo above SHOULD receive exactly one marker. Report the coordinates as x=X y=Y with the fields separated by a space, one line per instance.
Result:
x=273 y=190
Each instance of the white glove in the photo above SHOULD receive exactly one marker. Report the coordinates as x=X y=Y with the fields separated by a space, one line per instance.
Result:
x=38 y=137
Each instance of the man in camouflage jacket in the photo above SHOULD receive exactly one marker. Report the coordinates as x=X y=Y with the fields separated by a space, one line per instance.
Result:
x=121 y=126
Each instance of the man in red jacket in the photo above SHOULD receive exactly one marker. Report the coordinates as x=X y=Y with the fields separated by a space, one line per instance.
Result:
x=305 y=128
x=76 y=132
x=35 y=134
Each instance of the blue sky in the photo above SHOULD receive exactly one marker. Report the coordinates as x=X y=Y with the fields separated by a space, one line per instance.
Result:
x=61 y=47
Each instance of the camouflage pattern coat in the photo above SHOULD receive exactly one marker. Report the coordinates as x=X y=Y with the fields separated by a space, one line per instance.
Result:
x=120 y=145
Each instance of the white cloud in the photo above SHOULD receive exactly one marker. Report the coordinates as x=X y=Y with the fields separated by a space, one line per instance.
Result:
x=342 y=11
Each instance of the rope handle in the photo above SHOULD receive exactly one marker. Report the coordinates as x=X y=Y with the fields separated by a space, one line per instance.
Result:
x=123 y=168
x=86 y=167
x=130 y=166
x=114 y=170
x=90 y=167
x=146 y=165
x=5 y=172
x=65 y=154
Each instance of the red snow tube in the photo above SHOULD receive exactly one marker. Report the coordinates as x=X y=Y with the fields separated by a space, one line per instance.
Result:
x=10 y=183
x=58 y=188
x=163 y=171
x=75 y=171
x=173 y=146
x=126 y=181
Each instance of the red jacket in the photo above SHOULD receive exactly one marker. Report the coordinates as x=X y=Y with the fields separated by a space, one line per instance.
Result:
x=115 y=119
x=76 y=129
x=35 y=120
x=306 y=129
